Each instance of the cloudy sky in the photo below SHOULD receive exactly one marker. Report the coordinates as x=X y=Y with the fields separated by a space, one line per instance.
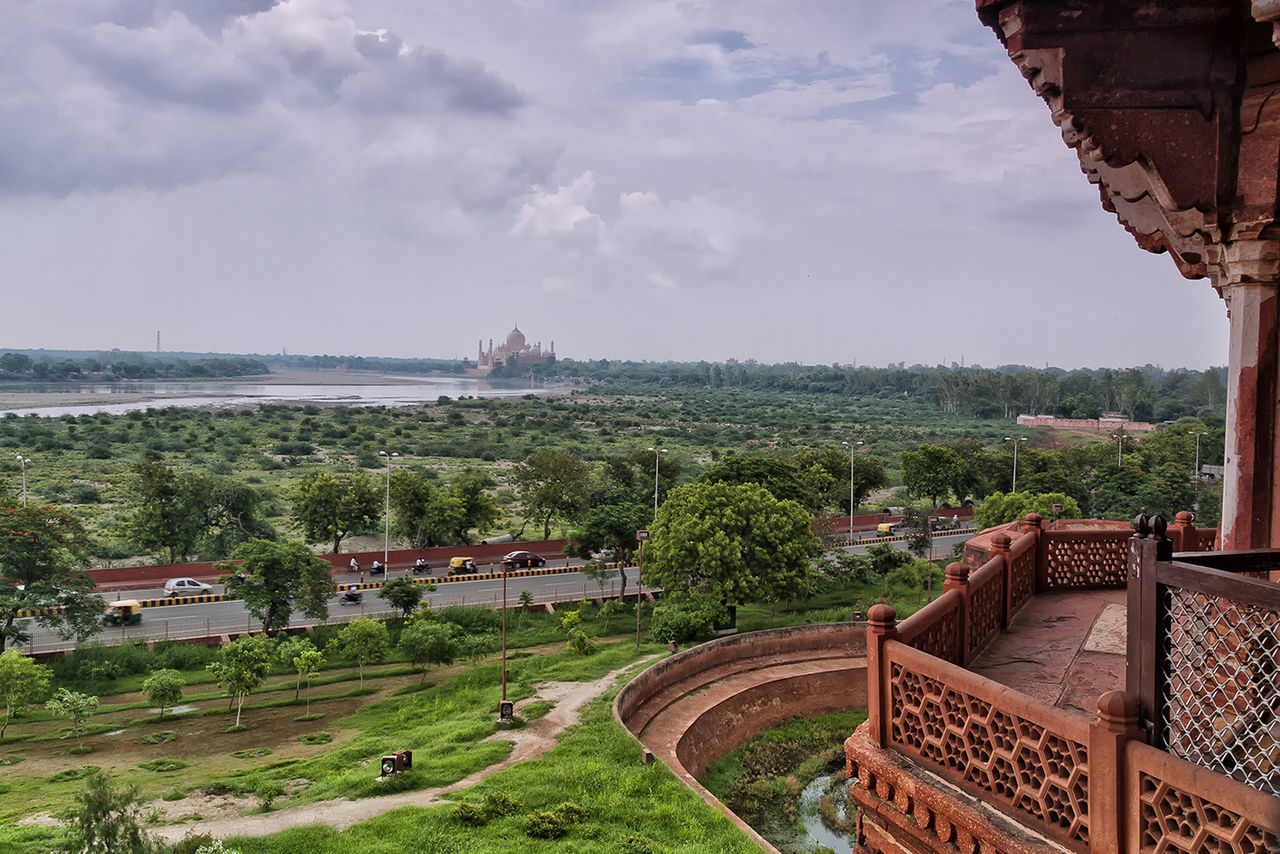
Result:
x=854 y=181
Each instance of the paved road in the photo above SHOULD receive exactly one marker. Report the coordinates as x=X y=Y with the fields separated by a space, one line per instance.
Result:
x=211 y=618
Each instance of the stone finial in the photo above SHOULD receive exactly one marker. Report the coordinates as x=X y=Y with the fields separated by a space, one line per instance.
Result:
x=1184 y=518
x=1159 y=526
x=1034 y=520
x=1142 y=525
x=1118 y=707
x=958 y=573
x=882 y=616
x=1001 y=542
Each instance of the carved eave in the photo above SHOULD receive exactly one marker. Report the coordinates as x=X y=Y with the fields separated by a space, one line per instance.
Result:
x=1169 y=107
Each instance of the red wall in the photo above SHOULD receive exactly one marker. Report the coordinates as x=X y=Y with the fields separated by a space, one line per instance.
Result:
x=128 y=576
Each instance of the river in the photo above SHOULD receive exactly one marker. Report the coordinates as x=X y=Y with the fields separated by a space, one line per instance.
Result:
x=320 y=389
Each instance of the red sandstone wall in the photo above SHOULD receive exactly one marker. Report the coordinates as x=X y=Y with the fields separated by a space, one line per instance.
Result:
x=122 y=576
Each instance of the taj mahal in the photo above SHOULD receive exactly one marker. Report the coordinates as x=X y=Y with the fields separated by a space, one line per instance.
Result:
x=515 y=347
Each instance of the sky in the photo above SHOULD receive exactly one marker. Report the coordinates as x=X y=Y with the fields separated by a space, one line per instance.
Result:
x=855 y=182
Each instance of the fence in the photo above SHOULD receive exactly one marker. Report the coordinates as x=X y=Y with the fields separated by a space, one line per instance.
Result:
x=1095 y=785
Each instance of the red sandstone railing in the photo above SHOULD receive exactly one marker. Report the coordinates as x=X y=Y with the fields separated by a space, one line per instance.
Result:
x=1033 y=761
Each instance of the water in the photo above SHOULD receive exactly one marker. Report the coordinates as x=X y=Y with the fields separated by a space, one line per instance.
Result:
x=395 y=391
x=815 y=832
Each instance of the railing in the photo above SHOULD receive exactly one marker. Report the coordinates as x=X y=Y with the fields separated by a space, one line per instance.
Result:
x=1095 y=785
x=1205 y=650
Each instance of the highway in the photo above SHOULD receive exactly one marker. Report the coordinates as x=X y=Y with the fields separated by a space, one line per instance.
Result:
x=204 y=619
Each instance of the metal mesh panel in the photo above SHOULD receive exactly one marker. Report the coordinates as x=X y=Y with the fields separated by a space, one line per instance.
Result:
x=1221 y=707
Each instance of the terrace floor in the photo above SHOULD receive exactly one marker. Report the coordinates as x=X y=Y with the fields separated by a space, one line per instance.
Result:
x=1063 y=649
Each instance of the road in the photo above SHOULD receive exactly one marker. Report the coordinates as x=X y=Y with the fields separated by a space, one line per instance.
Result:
x=215 y=618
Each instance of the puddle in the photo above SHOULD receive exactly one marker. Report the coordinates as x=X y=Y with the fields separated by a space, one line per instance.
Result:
x=116 y=732
x=175 y=710
x=816 y=833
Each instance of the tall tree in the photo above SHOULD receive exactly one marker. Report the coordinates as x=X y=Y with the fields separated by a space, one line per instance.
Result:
x=170 y=514
x=328 y=507
x=39 y=550
x=552 y=483
x=930 y=470
x=363 y=641
x=784 y=481
x=732 y=542
x=22 y=682
x=470 y=505
x=274 y=577
x=414 y=506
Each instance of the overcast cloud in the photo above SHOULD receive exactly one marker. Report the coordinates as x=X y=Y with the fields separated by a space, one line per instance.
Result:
x=854 y=182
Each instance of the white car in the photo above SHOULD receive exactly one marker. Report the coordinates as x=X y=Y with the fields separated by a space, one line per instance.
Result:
x=186 y=587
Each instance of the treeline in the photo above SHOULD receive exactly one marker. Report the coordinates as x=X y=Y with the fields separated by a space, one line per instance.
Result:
x=1148 y=393
x=124 y=366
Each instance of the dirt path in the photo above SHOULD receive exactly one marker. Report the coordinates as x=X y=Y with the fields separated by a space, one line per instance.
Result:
x=222 y=816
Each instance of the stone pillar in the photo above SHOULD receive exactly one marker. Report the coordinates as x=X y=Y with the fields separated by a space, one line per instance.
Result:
x=882 y=626
x=1183 y=533
x=1116 y=725
x=1000 y=544
x=1246 y=275
x=958 y=580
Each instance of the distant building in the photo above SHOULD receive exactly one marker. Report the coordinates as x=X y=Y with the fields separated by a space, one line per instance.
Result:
x=515 y=347
x=1109 y=421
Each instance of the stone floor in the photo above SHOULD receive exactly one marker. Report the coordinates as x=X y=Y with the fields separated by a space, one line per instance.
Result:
x=1063 y=649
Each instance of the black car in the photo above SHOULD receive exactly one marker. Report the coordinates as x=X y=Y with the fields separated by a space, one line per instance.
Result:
x=513 y=559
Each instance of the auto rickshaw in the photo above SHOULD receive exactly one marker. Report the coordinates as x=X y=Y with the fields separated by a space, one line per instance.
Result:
x=461 y=565
x=123 y=612
x=886 y=529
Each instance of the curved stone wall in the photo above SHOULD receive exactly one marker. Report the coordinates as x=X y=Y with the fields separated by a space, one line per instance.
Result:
x=694 y=707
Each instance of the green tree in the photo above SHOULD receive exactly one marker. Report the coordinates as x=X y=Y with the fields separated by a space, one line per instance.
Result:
x=930 y=471
x=302 y=655
x=784 y=481
x=552 y=483
x=405 y=594
x=171 y=512
x=39 y=548
x=274 y=577
x=415 y=507
x=469 y=505
x=427 y=644
x=108 y=820
x=868 y=474
x=999 y=508
x=887 y=563
x=241 y=667
x=732 y=542
x=363 y=640
x=164 y=688
x=73 y=706
x=327 y=507
x=22 y=682
x=918 y=536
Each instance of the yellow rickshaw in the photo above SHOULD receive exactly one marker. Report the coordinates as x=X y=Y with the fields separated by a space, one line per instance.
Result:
x=123 y=612
x=461 y=565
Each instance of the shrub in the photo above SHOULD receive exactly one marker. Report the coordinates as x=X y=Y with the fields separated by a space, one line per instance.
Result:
x=163 y=766
x=546 y=825
x=469 y=814
x=684 y=620
x=498 y=804
x=320 y=737
x=472 y=619
x=634 y=844
x=191 y=843
x=175 y=655
x=571 y=812
x=267 y=792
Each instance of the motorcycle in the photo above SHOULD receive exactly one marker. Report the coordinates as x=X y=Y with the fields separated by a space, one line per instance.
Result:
x=351 y=596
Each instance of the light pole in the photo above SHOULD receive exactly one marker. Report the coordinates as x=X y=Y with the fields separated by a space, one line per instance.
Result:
x=386 y=535
x=23 y=460
x=657 y=455
x=1015 y=459
x=1197 y=434
x=852 y=448
x=1119 y=437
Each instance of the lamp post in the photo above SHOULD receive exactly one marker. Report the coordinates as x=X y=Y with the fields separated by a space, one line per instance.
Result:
x=1015 y=459
x=852 y=448
x=386 y=535
x=657 y=455
x=23 y=460
x=1197 y=434
x=1119 y=437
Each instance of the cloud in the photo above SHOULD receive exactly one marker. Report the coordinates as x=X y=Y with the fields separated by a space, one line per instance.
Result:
x=663 y=282
x=558 y=213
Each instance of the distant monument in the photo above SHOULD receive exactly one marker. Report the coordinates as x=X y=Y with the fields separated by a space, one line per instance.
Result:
x=515 y=347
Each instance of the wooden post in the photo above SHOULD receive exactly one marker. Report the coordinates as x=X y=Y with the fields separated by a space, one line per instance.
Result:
x=1116 y=724
x=958 y=580
x=1142 y=619
x=882 y=626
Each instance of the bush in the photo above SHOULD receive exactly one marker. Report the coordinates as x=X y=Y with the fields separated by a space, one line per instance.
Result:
x=472 y=619
x=469 y=814
x=497 y=804
x=633 y=844
x=175 y=655
x=685 y=620
x=267 y=792
x=546 y=825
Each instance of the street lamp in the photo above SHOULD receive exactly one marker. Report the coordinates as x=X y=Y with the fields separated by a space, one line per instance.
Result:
x=386 y=537
x=657 y=455
x=1015 y=459
x=1197 y=434
x=852 y=448
x=23 y=460
x=1119 y=437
